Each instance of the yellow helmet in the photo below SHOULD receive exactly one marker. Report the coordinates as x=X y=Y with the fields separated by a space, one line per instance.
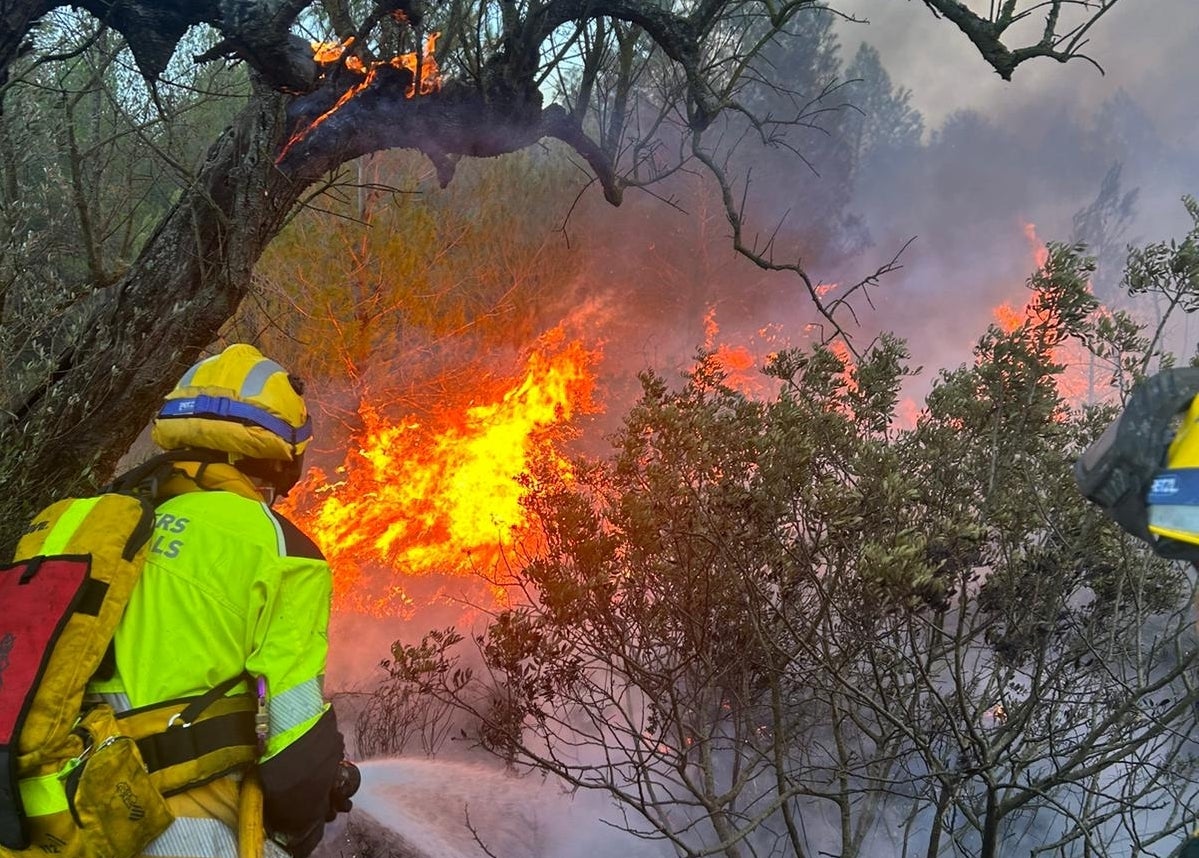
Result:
x=239 y=402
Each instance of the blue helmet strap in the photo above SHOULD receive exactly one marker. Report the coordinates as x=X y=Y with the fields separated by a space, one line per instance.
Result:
x=221 y=408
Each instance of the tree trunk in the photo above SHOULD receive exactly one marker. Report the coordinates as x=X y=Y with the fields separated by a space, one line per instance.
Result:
x=990 y=834
x=77 y=397
x=76 y=406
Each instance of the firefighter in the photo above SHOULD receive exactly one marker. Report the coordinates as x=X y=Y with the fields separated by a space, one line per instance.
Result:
x=234 y=602
x=1144 y=472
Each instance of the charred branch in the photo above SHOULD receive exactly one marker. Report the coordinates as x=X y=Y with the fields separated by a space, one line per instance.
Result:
x=151 y=29
x=986 y=34
x=454 y=122
x=560 y=124
x=17 y=21
x=82 y=390
x=256 y=32
x=286 y=59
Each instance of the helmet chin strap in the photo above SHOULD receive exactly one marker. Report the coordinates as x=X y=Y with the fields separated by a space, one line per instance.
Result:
x=269 y=492
x=273 y=479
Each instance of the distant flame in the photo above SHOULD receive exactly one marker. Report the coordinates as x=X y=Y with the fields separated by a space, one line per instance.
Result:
x=847 y=374
x=419 y=498
x=426 y=77
x=1008 y=318
x=742 y=363
x=1075 y=384
x=1039 y=251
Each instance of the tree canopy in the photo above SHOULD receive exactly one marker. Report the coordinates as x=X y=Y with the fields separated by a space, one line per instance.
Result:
x=141 y=283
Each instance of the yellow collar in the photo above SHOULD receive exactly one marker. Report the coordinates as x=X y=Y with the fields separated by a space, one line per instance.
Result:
x=209 y=476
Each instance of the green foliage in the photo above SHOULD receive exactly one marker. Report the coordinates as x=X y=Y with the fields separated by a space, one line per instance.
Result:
x=769 y=608
x=1168 y=274
x=403 y=712
x=90 y=162
x=90 y=166
x=1172 y=267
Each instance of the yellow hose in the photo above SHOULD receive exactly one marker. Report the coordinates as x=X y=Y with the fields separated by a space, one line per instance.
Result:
x=251 y=832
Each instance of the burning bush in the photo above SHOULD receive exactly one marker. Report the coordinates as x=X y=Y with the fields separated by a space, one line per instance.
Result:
x=759 y=611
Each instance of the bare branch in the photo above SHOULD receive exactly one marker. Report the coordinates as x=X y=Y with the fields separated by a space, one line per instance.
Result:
x=986 y=33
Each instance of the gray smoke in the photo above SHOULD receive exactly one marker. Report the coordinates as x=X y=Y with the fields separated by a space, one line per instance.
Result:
x=1150 y=57
x=1033 y=150
x=996 y=156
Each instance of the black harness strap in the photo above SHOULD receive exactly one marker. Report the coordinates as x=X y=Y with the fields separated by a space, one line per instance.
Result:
x=189 y=737
x=196 y=708
x=180 y=744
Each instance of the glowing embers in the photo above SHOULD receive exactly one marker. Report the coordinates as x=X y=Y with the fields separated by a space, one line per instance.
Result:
x=424 y=77
x=441 y=496
x=330 y=53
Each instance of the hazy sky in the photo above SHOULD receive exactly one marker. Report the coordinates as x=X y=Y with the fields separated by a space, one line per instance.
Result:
x=1149 y=48
x=1035 y=158
x=970 y=215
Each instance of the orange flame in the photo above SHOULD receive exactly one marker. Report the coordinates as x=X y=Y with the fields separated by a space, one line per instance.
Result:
x=426 y=77
x=417 y=499
x=1008 y=318
x=1039 y=250
x=741 y=363
x=324 y=53
x=1075 y=383
x=841 y=349
x=735 y=359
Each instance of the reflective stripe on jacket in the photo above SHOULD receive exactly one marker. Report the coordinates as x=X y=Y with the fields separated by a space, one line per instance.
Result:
x=202 y=838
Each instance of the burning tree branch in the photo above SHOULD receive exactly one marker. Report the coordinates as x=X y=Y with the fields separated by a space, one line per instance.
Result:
x=457 y=123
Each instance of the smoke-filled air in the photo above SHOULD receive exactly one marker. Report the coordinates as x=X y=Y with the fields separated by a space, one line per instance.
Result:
x=696 y=391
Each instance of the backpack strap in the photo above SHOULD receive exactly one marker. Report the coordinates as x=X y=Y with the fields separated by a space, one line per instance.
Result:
x=216 y=737
x=144 y=479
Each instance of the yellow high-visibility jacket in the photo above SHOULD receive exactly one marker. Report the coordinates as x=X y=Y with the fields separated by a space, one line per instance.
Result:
x=232 y=588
